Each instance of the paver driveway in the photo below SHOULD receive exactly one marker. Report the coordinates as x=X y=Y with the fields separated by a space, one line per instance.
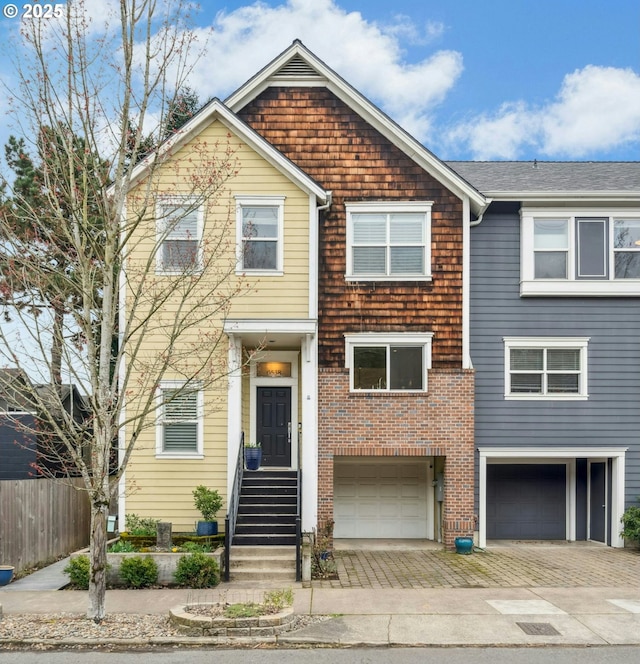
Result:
x=501 y=565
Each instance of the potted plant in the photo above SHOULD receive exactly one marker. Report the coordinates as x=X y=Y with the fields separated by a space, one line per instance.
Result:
x=207 y=502
x=252 y=456
x=6 y=574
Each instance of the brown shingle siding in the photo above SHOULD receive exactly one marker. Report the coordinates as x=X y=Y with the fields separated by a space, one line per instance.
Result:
x=341 y=151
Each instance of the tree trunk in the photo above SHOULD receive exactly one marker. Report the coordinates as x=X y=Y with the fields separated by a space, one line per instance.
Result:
x=56 y=345
x=98 y=555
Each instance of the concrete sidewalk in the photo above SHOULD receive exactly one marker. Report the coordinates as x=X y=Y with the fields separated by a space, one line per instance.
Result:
x=530 y=594
x=399 y=617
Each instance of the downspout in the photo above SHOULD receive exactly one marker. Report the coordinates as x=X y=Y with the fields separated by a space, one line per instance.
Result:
x=466 y=280
x=327 y=205
x=308 y=454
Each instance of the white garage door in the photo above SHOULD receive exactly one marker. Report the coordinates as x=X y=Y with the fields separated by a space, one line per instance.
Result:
x=380 y=500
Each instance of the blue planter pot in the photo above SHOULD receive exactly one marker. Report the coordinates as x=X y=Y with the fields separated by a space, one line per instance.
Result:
x=206 y=528
x=252 y=457
x=464 y=545
x=6 y=574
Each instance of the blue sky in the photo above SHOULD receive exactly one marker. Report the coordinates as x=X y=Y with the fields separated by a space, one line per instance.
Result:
x=499 y=79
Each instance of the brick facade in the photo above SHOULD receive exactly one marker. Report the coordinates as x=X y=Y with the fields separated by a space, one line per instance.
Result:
x=439 y=423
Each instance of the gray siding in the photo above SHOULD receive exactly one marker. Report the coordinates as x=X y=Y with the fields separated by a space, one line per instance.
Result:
x=611 y=415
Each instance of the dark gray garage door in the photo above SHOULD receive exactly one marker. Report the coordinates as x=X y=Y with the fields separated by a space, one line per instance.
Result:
x=526 y=501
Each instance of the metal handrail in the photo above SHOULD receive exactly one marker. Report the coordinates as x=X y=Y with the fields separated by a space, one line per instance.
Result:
x=232 y=514
x=299 y=529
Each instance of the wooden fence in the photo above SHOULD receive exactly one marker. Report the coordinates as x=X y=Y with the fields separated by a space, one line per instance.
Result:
x=41 y=520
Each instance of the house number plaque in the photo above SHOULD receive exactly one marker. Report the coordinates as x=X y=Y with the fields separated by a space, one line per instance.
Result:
x=274 y=370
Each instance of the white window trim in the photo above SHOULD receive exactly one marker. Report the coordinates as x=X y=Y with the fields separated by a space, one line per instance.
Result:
x=257 y=201
x=580 y=343
x=160 y=453
x=388 y=207
x=161 y=232
x=423 y=339
x=582 y=287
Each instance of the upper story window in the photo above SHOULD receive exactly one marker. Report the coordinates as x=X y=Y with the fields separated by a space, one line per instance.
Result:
x=179 y=428
x=179 y=224
x=388 y=363
x=259 y=225
x=545 y=368
x=389 y=241
x=581 y=254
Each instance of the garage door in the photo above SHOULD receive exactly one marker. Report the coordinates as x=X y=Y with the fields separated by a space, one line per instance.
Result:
x=526 y=501
x=380 y=500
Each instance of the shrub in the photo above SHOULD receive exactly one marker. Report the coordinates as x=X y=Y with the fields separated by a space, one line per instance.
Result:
x=78 y=570
x=195 y=547
x=631 y=524
x=273 y=602
x=136 y=525
x=323 y=565
x=122 y=546
x=139 y=572
x=197 y=570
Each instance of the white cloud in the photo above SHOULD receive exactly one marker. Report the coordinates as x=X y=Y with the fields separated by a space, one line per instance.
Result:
x=367 y=55
x=500 y=136
x=596 y=109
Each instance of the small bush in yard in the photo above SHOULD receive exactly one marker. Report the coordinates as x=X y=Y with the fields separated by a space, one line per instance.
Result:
x=122 y=546
x=136 y=525
x=78 y=570
x=275 y=600
x=197 y=571
x=139 y=572
x=631 y=524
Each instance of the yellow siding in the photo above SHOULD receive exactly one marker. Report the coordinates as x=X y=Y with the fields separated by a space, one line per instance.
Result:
x=161 y=488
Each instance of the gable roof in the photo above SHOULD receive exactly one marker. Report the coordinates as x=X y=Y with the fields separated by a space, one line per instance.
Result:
x=15 y=390
x=297 y=66
x=216 y=110
x=530 y=180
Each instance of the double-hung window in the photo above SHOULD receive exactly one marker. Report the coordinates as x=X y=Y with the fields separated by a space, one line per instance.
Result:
x=179 y=230
x=626 y=248
x=544 y=368
x=389 y=241
x=179 y=428
x=582 y=253
x=259 y=222
x=388 y=363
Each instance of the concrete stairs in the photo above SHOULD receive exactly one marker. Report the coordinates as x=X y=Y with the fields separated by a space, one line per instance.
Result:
x=263 y=563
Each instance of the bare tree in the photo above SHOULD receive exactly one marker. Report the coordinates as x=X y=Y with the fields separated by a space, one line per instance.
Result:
x=85 y=82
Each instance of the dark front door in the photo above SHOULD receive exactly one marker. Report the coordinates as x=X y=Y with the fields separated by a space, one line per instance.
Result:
x=274 y=425
x=598 y=502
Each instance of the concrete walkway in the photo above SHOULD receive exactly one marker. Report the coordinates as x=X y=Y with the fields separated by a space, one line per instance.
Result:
x=51 y=577
x=530 y=594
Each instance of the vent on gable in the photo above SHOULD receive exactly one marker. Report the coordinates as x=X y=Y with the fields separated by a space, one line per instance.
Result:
x=296 y=68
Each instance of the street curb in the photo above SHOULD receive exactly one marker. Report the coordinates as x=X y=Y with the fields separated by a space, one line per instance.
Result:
x=164 y=641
